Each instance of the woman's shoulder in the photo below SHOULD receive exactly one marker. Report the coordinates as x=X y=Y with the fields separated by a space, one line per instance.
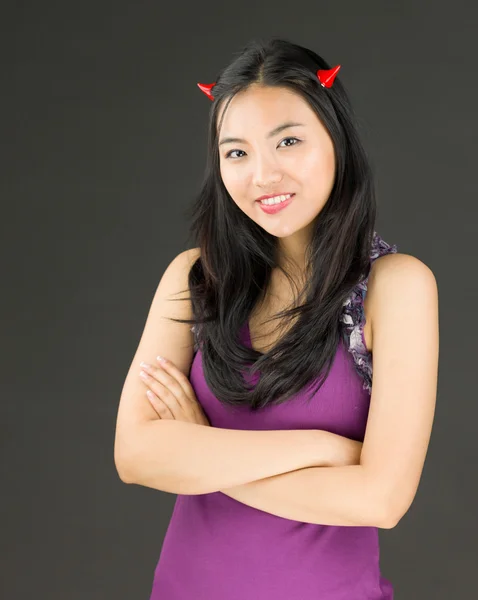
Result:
x=193 y=254
x=392 y=269
x=388 y=266
x=387 y=262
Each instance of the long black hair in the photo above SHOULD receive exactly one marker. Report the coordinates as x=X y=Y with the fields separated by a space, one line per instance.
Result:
x=237 y=256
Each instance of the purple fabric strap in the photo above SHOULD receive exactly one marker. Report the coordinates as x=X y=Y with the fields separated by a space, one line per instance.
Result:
x=353 y=317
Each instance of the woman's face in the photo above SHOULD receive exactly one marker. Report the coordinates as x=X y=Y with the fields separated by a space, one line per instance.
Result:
x=298 y=159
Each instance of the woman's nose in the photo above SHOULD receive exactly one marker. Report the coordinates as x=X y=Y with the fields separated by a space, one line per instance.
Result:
x=266 y=173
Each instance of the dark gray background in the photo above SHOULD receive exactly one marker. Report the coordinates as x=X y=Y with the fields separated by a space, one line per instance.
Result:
x=103 y=148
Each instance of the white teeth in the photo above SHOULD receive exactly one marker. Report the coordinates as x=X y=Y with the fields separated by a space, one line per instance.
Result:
x=276 y=199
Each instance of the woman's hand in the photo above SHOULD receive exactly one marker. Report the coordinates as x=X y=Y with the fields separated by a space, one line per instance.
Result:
x=171 y=394
x=347 y=452
x=334 y=450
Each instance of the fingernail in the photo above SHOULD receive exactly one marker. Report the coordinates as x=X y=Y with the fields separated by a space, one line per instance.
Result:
x=161 y=359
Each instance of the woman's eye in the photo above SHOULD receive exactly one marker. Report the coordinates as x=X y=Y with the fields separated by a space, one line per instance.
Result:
x=228 y=155
x=291 y=138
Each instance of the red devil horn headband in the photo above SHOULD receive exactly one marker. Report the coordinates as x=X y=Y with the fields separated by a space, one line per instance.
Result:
x=325 y=76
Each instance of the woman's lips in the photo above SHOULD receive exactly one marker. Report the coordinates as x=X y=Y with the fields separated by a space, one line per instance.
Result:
x=271 y=209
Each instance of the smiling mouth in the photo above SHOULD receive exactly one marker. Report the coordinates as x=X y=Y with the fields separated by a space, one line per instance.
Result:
x=275 y=207
x=282 y=198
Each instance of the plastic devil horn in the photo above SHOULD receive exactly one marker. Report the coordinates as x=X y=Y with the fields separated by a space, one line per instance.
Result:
x=206 y=88
x=327 y=76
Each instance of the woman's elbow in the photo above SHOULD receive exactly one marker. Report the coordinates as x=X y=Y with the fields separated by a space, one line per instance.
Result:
x=122 y=462
x=123 y=473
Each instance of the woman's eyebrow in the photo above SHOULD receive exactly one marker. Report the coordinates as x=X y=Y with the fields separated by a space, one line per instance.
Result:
x=272 y=133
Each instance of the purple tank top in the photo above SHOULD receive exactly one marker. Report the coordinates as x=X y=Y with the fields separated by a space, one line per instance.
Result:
x=217 y=548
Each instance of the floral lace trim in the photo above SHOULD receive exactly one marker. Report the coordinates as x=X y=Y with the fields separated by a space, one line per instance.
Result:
x=353 y=317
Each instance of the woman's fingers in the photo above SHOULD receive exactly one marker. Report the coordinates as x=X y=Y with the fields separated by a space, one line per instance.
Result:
x=169 y=368
x=165 y=386
x=169 y=391
x=162 y=409
x=173 y=395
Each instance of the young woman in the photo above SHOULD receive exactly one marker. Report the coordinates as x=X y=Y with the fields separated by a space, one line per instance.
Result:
x=263 y=418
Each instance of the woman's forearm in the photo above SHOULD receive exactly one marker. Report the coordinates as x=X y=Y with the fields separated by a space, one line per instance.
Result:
x=186 y=458
x=300 y=495
x=344 y=495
